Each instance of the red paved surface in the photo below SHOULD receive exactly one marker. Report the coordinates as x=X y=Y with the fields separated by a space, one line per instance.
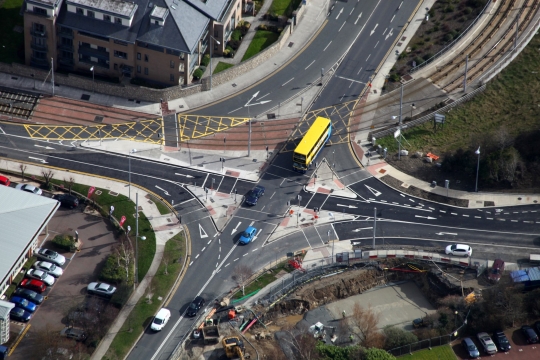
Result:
x=63 y=111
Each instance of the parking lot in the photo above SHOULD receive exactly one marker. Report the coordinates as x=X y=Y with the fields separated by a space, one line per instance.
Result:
x=69 y=291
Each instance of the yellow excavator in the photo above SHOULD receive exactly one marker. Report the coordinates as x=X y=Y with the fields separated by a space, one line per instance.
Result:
x=234 y=348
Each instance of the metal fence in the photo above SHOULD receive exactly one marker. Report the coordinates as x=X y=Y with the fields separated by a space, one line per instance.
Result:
x=424 y=344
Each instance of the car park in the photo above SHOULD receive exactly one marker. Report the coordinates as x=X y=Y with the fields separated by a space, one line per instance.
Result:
x=29 y=188
x=73 y=333
x=529 y=334
x=19 y=314
x=500 y=339
x=30 y=295
x=471 y=349
x=161 y=318
x=33 y=284
x=102 y=289
x=494 y=274
x=458 y=250
x=4 y=181
x=23 y=304
x=195 y=306
x=67 y=200
x=248 y=235
x=40 y=275
x=49 y=268
x=254 y=194
x=50 y=255
x=487 y=343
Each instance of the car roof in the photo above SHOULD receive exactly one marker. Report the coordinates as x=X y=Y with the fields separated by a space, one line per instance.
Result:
x=161 y=313
x=250 y=229
x=498 y=262
x=198 y=299
x=468 y=341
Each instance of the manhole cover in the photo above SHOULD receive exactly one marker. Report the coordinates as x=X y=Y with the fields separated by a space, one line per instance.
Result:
x=291 y=44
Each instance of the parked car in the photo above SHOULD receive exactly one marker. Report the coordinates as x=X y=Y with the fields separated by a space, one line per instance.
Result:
x=73 y=333
x=23 y=304
x=29 y=188
x=529 y=334
x=537 y=327
x=161 y=318
x=40 y=275
x=49 y=268
x=101 y=289
x=19 y=314
x=28 y=294
x=418 y=323
x=35 y=285
x=471 y=349
x=501 y=340
x=487 y=343
x=67 y=200
x=459 y=250
x=494 y=274
x=248 y=235
x=50 y=255
x=4 y=181
x=253 y=195
x=195 y=306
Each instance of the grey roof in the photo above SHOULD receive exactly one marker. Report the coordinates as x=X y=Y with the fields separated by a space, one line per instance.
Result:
x=22 y=217
x=48 y=3
x=212 y=8
x=159 y=12
x=122 y=8
x=5 y=308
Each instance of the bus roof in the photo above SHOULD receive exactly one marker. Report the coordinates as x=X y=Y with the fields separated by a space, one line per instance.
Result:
x=311 y=137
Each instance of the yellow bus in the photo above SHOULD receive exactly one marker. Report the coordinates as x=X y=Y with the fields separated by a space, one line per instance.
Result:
x=311 y=144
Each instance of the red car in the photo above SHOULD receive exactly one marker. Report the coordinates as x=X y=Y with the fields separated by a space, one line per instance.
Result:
x=494 y=274
x=4 y=181
x=32 y=284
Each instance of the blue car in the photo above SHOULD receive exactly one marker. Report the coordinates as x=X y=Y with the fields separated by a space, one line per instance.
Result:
x=248 y=235
x=253 y=195
x=19 y=314
x=23 y=303
x=29 y=295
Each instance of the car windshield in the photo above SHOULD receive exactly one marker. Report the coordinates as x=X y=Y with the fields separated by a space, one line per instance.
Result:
x=245 y=234
x=50 y=253
x=471 y=347
x=17 y=311
x=495 y=271
x=503 y=340
x=192 y=306
x=250 y=193
x=158 y=321
x=51 y=267
x=453 y=247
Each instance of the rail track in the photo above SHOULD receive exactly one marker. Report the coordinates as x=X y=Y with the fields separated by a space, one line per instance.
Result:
x=18 y=104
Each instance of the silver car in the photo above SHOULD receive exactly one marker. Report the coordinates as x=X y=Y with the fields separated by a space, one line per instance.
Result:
x=50 y=255
x=40 y=275
x=29 y=188
x=49 y=268
x=102 y=289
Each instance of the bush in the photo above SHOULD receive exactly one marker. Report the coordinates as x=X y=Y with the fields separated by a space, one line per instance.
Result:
x=234 y=44
x=418 y=60
x=427 y=56
x=205 y=60
x=394 y=78
x=198 y=73
x=262 y=27
x=396 y=337
x=111 y=272
x=448 y=37
x=121 y=295
x=65 y=242
x=449 y=9
x=236 y=34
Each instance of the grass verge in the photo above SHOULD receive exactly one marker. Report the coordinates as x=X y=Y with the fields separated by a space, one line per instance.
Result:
x=440 y=352
x=12 y=49
x=261 y=41
x=142 y=313
x=162 y=208
x=263 y=280
x=221 y=66
x=283 y=7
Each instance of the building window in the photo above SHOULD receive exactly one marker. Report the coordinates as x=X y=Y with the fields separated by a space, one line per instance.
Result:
x=79 y=11
x=118 y=20
x=172 y=78
x=138 y=56
x=139 y=69
x=156 y=22
x=115 y=66
x=172 y=64
x=120 y=54
x=90 y=14
x=145 y=57
x=216 y=33
x=39 y=11
x=39 y=28
x=145 y=71
x=67 y=41
x=102 y=48
x=107 y=18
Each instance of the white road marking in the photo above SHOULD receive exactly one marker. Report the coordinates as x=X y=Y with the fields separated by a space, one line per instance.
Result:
x=273 y=195
x=453 y=213
x=373 y=191
x=342 y=26
x=196 y=257
x=309 y=64
x=236 y=228
x=443 y=211
x=204 y=248
x=327 y=45
x=384 y=32
x=465 y=215
x=357 y=74
x=208 y=243
x=372 y=31
x=359 y=16
x=368 y=57
x=254 y=249
x=236 y=259
x=426 y=217
x=340 y=11
x=190 y=263
x=202 y=232
x=245 y=254
x=376 y=45
x=227 y=264
x=287 y=82
x=392 y=18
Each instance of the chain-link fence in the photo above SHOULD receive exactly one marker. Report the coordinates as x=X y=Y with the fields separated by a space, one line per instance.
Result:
x=424 y=344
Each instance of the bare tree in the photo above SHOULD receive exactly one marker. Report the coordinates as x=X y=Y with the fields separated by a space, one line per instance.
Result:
x=302 y=345
x=511 y=163
x=502 y=138
x=47 y=176
x=241 y=275
x=69 y=183
x=23 y=169
x=364 y=324
x=124 y=255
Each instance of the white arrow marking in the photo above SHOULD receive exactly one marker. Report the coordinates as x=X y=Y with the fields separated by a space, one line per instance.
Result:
x=372 y=31
x=348 y=206
x=2 y=130
x=258 y=233
x=202 y=232
x=340 y=11
x=188 y=176
x=164 y=191
x=45 y=147
x=373 y=191
x=359 y=16
x=38 y=159
x=443 y=233
x=389 y=34
x=426 y=217
x=358 y=230
x=236 y=228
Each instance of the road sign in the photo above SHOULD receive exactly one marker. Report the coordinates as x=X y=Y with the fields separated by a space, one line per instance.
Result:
x=439 y=118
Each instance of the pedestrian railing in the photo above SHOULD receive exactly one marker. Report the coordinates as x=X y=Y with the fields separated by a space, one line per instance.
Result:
x=420 y=345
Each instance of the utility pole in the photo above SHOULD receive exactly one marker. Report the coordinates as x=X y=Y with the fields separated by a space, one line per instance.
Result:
x=399 y=127
x=52 y=69
x=374 y=225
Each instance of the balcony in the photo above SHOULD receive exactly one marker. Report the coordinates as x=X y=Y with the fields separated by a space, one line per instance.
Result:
x=38 y=62
x=41 y=34
x=66 y=62
x=88 y=51
x=65 y=47
x=65 y=33
x=39 y=47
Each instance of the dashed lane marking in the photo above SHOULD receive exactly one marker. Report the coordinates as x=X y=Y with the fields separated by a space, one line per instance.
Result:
x=236 y=259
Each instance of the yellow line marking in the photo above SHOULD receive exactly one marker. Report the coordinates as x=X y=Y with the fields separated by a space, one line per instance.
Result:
x=21 y=336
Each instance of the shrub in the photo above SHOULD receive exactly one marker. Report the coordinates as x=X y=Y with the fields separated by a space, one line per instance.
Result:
x=65 y=242
x=234 y=44
x=205 y=60
x=236 y=34
x=418 y=60
x=449 y=9
x=426 y=56
x=396 y=337
x=262 y=27
x=226 y=52
x=394 y=78
x=420 y=43
x=198 y=73
x=428 y=38
x=121 y=295
x=111 y=272
x=448 y=37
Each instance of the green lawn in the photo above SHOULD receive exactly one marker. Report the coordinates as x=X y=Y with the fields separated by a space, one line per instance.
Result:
x=222 y=66
x=143 y=312
x=12 y=42
x=283 y=7
x=438 y=353
x=262 y=281
x=162 y=208
x=261 y=41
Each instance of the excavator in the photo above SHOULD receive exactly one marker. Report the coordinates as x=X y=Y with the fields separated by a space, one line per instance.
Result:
x=234 y=348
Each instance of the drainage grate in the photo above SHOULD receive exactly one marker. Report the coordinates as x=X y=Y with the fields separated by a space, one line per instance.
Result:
x=290 y=44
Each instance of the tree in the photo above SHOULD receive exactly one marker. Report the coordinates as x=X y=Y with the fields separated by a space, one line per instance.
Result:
x=364 y=324
x=302 y=345
x=47 y=176
x=69 y=183
x=396 y=337
x=23 y=169
x=377 y=354
x=124 y=257
x=241 y=275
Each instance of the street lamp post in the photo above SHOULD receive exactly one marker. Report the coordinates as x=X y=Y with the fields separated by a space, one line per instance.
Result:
x=211 y=38
x=129 y=172
x=93 y=83
x=477 y=152
x=137 y=240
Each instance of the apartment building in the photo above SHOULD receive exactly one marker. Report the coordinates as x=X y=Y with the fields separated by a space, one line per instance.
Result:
x=159 y=41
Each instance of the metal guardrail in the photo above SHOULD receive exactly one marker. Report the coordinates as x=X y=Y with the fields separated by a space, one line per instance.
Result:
x=423 y=344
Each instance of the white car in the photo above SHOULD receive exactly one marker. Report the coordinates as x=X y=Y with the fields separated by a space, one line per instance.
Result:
x=49 y=268
x=487 y=343
x=29 y=188
x=50 y=255
x=161 y=318
x=459 y=250
x=40 y=275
